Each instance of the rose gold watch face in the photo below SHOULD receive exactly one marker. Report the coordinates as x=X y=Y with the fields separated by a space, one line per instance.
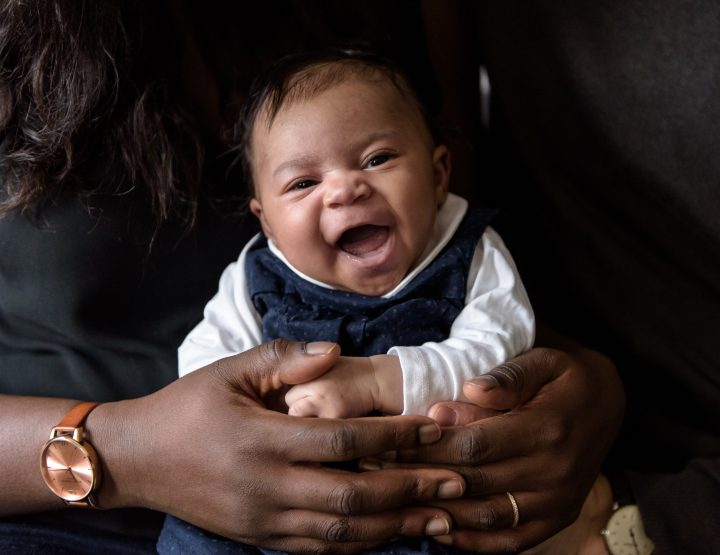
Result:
x=68 y=469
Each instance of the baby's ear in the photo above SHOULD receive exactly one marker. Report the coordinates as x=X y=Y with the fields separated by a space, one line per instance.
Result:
x=256 y=208
x=441 y=173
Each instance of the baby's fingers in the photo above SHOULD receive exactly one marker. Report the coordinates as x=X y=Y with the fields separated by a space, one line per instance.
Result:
x=303 y=407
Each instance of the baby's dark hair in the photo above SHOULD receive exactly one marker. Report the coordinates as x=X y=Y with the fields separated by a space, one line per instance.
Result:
x=303 y=75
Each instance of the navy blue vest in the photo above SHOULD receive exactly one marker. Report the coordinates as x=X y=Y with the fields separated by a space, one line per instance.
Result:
x=293 y=308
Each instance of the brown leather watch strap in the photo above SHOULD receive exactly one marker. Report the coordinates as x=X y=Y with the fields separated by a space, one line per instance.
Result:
x=77 y=415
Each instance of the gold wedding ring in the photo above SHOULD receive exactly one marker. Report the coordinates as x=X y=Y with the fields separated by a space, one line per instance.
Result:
x=516 y=511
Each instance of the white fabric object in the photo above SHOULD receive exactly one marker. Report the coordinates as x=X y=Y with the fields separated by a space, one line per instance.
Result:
x=496 y=324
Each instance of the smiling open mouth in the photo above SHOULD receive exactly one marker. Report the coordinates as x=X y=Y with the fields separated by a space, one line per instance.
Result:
x=363 y=239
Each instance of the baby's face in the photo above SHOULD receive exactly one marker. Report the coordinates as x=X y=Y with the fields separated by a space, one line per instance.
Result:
x=348 y=184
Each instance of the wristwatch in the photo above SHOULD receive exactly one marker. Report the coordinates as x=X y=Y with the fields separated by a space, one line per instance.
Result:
x=624 y=533
x=68 y=463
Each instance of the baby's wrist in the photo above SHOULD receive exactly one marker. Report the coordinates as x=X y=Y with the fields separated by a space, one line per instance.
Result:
x=388 y=392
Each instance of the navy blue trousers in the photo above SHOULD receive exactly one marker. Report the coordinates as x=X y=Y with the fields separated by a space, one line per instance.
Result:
x=38 y=539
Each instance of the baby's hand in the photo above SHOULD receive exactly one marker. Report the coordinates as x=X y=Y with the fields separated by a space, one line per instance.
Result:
x=347 y=390
x=355 y=386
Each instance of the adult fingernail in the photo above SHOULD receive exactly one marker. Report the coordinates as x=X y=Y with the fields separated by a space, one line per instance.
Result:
x=319 y=348
x=445 y=540
x=450 y=490
x=486 y=382
x=369 y=464
x=429 y=433
x=437 y=527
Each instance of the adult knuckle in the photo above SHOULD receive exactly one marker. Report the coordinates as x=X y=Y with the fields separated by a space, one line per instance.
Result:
x=415 y=488
x=342 y=442
x=338 y=530
x=487 y=518
x=346 y=499
x=476 y=480
x=510 y=372
x=274 y=350
x=471 y=447
x=420 y=489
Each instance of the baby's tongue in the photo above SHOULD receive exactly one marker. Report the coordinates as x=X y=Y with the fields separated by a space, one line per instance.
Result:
x=363 y=239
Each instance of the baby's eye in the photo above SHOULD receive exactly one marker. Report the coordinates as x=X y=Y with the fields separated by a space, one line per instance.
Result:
x=378 y=160
x=302 y=184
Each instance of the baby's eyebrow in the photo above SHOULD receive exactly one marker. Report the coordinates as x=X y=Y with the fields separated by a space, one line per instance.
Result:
x=377 y=135
x=301 y=161
x=362 y=141
x=357 y=144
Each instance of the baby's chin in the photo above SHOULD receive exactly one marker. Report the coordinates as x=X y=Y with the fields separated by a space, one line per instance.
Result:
x=372 y=285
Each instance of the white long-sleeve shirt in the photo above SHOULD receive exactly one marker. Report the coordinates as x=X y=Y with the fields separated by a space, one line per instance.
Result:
x=496 y=323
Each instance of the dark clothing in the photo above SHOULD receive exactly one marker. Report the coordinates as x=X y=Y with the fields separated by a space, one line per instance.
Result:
x=606 y=128
x=88 y=311
x=293 y=308
x=17 y=539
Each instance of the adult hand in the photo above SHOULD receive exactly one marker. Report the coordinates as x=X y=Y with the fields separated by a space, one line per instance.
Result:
x=206 y=449
x=583 y=537
x=557 y=415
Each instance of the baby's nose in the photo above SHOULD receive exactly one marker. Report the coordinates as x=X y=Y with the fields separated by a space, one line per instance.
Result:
x=344 y=188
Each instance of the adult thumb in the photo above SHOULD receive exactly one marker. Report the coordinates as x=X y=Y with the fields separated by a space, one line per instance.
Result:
x=272 y=366
x=516 y=381
x=503 y=388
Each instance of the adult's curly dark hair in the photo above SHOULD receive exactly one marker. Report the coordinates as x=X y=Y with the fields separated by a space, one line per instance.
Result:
x=93 y=83
x=94 y=97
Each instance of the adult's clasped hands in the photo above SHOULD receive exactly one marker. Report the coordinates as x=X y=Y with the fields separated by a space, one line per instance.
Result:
x=530 y=447
x=210 y=450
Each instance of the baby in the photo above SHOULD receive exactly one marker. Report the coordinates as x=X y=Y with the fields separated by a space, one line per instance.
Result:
x=362 y=245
